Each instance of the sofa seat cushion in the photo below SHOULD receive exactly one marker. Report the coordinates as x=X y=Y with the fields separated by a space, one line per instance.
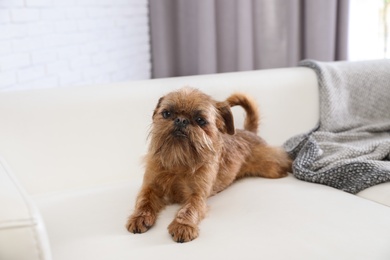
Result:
x=379 y=193
x=254 y=218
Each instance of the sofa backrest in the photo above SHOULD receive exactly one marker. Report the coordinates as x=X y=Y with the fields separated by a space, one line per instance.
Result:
x=66 y=138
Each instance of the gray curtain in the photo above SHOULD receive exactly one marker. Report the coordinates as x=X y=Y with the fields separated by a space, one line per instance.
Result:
x=191 y=37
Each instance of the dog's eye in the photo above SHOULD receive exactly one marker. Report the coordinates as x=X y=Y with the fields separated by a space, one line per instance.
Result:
x=200 y=121
x=166 y=114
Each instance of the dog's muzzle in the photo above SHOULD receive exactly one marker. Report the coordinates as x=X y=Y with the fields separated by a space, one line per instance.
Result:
x=180 y=124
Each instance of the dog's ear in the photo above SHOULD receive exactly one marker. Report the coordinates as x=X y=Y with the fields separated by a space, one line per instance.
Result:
x=225 y=124
x=158 y=106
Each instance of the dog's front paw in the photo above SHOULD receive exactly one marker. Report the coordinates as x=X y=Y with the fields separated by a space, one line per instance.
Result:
x=183 y=233
x=140 y=223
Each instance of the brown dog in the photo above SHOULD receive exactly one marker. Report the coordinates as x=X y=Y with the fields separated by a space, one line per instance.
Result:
x=194 y=153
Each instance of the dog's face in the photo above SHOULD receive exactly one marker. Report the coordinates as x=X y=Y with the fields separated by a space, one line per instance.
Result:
x=186 y=128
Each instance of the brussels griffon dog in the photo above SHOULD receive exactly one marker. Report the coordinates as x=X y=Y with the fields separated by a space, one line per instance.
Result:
x=194 y=153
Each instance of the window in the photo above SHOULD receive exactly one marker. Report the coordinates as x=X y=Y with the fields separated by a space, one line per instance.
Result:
x=369 y=29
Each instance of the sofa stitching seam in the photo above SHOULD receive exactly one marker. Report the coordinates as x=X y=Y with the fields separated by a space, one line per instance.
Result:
x=33 y=229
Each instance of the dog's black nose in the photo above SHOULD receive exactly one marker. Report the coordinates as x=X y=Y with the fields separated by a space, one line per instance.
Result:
x=181 y=122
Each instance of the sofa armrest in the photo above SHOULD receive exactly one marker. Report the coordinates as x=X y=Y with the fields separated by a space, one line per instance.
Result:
x=22 y=231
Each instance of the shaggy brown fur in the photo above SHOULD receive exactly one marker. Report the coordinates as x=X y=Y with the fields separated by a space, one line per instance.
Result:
x=194 y=153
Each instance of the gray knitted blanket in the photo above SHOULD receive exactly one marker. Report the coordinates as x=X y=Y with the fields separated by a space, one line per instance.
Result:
x=350 y=149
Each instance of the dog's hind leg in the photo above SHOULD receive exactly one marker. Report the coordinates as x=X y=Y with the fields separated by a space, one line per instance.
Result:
x=266 y=161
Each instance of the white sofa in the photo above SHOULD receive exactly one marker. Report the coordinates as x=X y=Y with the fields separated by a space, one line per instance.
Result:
x=71 y=170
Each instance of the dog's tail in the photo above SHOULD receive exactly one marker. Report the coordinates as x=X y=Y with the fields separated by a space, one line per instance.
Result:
x=252 y=113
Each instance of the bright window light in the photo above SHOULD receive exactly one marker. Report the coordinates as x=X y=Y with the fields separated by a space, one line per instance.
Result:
x=369 y=29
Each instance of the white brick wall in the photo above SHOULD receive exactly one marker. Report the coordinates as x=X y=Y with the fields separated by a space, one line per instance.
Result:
x=55 y=43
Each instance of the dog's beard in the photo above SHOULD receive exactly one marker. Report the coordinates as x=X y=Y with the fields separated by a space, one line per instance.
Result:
x=181 y=148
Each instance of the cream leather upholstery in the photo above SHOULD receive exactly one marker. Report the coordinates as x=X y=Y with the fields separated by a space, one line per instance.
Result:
x=78 y=154
x=22 y=231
